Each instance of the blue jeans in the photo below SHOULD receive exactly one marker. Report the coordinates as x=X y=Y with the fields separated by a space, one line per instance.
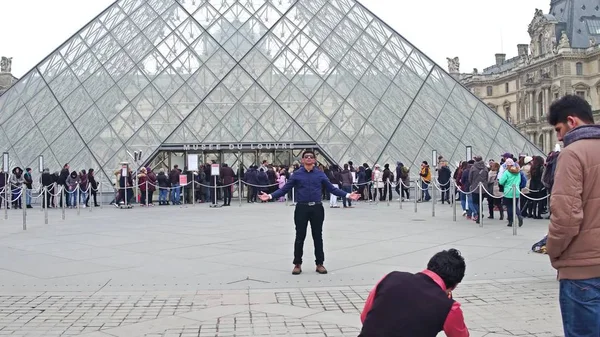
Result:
x=425 y=194
x=28 y=197
x=73 y=198
x=463 y=201
x=580 y=307
x=345 y=200
x=175 y=193
x=162 y=195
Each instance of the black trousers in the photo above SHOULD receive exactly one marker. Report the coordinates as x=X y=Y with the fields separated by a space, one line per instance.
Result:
x=227 y=195
x=302 y=215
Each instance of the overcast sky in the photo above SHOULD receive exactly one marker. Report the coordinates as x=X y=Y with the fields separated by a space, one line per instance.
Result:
x=474 y=30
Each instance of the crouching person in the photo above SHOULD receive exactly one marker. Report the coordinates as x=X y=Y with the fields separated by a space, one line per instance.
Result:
x=421 y=304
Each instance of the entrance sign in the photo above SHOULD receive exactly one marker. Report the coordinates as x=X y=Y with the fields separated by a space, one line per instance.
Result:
x=182 y=180
x=192 y=162
x=124 y=170
x=215 y=169
x=239 y=146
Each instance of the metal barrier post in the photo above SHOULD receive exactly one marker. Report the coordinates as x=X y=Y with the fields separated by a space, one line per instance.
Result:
x=46 y=197
x=193 y=190
x=64 y=200
x=515 y=223
x=24 y=208
x=416 y=191
x=147 y=190
x=100 y=191
x=6 y=198
x=433 y=196
x=401 y=188
x=294 y=196
x=480 y=205
x=453 y=198
x=388 y=185
x=240 y=185
x=89 y=196
x=125 y=193
x=75 y=192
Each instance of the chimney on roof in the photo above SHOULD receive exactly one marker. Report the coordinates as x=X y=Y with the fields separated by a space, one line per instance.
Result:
x=523 y=50
x=500 y=59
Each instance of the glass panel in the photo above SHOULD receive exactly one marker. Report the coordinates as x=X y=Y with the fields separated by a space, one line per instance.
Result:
x=237 y=46
x=40 y=105
x=349 y=120
x=331 y=15
x=84 y=161
x=442 y=140
x=343 y=5
x=85 y=66
x=205 y=46
x=221 y=5
x=424 y=155
x=112 y=17
x=157 y=31
x=360 y=16
x=391 y=155
x=267 y=16
x=256 y=101
x=174 y=15
x=219 y=135
x=129 y=6
x=258 y=134
x=255 y=63
x=376 y=82
x=97 y=84
x=143 y=16
x=407 y=141
x=153 y=64
x=73 y=49
x=238 y=121
x=10 y=107
x=201 y=121
x=49 y=161
x=125 y=31
x=221 y=30
x=379 y=31
x=16 y=128
x=105 y=145
x=367 y=47
x=480 y=141
x=52 y=66
x=184 y=100
x=288 y=63
x=441 y=82
x=303 y=46
x=372 y=141
x=327 y=100
x=90 y=124
x=270 y=46
x=171 y=47
x=105 y=48
x=237 y=15
x=342 y=81
x=133 y=83
x=273 y=81
x=64 y=84
x=220 y=63
x=119 y=65
x=333 y=141
x=307 y=81
x=127 y=122
x=189 y=31
x=355 y=63
x=430 y=100
x=463 y=100
x=312 y=120
x=183 y=135
x=493 y=121
x=362 y=100
x=408 y=81
x=138 y=48
x=220 y=101
x=396 y=100
x=384 y=120
x=387 y=63
x=111 y=103
x=299 y=15
x=66 y=146
x=202 y=82
x=292 y=100
x=321 y=63
x=144 y=140
x=276 y=121
x=4 y=143
x=206 y=15
x=419 y=63
x=165 y=121
x=317 y=31
x=355 y=155
x=191 y=5
x=54 y=124
x=30 y=146
x=77 y=103
x=187 y=64
x=453 y=120
x=159 y=5
x=147 y=102
x=349 y=31
x=313 y=6
x=419 y=120
x=168 y=82
x=296 y=134
x=93 y=32
x=28 y=86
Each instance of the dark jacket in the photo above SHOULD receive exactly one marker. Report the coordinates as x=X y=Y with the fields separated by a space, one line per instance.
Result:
x=93 y=182
x=227 y=174
x=346 y=178
x=478 y=174
x=151 y=181
x=83 y=182
x=47 y=179
x=163 y=180
x=28 y=180
x=251 y=176
x=62 y=178
x=174 y=176
x=362 y=176
x=444 y=175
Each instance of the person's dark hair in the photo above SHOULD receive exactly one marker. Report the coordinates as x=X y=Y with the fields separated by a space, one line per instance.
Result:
x=350 y=163
x=471 y=162
x=308 y=152
x=449 y=265
x=345 y=166
x=570 y=105
x=386 y=166
x=365 y=165
x=425 y=162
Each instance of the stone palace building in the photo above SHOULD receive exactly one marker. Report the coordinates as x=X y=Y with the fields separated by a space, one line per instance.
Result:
x=563 y=57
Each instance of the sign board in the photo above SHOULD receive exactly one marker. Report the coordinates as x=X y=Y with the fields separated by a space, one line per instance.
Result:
x=5 y=163
x=354 y=178
x=215 y=169
x=183 y=180
x=41 y=163
x=192 y=162
x=123 y=170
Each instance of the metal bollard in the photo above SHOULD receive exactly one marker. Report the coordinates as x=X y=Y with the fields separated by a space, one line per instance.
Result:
x=89 y=196
x=453 y=196
x=46 y=205
x=77 y=189
x=515 y=223
x=433 y=196
x=294 y=196
x=64 y=200
x=401 y=187
x=100 y=191
x=240 y=185
x=416 y=191
x=24 y=208
x=480 y=205
x=147 y=190
x=387 y=190
x=6 y=198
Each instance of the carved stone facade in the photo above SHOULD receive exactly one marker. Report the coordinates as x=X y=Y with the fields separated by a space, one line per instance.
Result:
x=522 y=88
x=6 y=78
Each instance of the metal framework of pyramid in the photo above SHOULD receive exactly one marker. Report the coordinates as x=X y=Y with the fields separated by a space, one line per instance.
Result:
x=146 y=73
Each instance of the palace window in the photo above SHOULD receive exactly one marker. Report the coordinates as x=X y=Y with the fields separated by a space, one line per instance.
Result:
x=490 y=90
x=506 y=87
x=580 y=94
x=579 y=68
x=555 y=70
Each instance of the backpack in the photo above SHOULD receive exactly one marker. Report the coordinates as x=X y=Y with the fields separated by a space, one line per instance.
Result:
x=523 y=181
x=550 y=167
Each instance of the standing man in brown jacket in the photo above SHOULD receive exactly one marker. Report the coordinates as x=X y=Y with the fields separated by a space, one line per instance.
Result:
x=574 y=235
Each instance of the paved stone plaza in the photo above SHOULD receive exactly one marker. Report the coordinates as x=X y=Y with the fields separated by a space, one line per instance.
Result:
x=196 y=271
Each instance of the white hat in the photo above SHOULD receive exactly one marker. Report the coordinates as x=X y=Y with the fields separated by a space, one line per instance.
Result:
x=527 y=160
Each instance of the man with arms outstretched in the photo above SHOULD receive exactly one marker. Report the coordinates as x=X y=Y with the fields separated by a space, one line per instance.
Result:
x=307 y=182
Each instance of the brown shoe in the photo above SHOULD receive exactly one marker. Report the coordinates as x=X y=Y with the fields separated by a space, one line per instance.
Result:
x=297 y=269
x=321 y=269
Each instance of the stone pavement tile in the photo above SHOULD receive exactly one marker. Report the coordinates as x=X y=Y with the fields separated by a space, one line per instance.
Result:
x=350 y=320
x=285 y=310
x=213 y=313
x=140 y=329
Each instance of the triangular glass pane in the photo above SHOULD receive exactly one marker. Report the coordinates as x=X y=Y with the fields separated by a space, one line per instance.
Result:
x=93 y=32
x=375 y=81
x=54 y=124
x=201 y=121
x=204 y=47
x=342 y=81
x=441 y=82
x=349 y=119
x=105 y=145
x=387 y=64
x=384 y=120
x=129 y=6
x=187 y=64
x=312 y=120
x=143 y=16
x=238 y=121
x=221 y=30
x=296 y=134
x=168 y=82
x=220 y=63
x=30 y=146
x=41 y=104
x=144 y=140
x=221 y=5
x=105 y=48
x=313 y=6
x=126 y=123
x=219 y=135
x=237 y=15
x=255 y=63
x=237 y=46
x=16 y=128
x=97 y=84
x=90 y=123
x=367 y=47
x=303 y=46
x=66 y=146
x=189 y=31
x=399 y=47
x=273 y=81
x=125 y=31
x=307 y=81
x=430 y=100
x=379 y=31
x=147 y=102
x=64 y=84
x=160 y=5
x=419 y=63
x=258 y=134
x=238 y=81
x=355 y=63
x=112 y=102
x=333 y=15
x=418 y=119
x=288 y=63
x=112 y=17
x=292 y=100
x=85 y=66
x=28 y=86
x=184 y=100
x=270 y=46
x=72 y=49
x=202 y=82
x=191 y=6
x=453 y=119
x=318 y=31
x=138 y=48
x=133 y=83
x=321 y=63
x=182 y=135
x=171 y=47
x=327 y=100
x=463 y=100
x=333 y=142
x=408 y=81
x=77 y=103
x=157 y=31
x=276 y=121
x=355 y=155
x=253 y=30
x=349 y=31
x=254 y=5
x=396 y=100
x=153 y=64
x=165 y=121
x=220 y=101
x=84 y=160
x=174 y=16
x=206 y=15
x=119 y=65
x=53 y=66
x=299 y=15
x=256 y=101
x=408 y=141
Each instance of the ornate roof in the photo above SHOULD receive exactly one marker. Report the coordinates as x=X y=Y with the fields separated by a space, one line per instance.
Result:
x=580 y=19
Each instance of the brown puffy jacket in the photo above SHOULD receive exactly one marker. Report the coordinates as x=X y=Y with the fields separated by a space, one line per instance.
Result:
x=574 y=233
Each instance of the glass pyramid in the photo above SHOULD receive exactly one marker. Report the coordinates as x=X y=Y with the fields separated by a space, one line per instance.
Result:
x=147 y=73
